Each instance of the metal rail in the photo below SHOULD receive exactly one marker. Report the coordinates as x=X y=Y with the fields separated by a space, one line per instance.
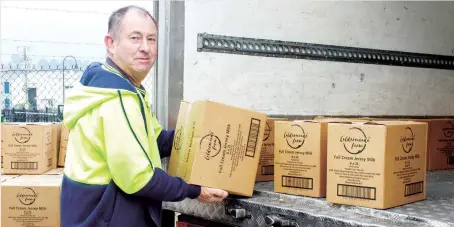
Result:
x=299 y=50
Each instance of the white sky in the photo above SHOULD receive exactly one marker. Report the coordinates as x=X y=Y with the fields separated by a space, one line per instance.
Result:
x=55 y=29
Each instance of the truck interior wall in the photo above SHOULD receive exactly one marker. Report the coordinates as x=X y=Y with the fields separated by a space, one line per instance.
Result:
x=280 y=86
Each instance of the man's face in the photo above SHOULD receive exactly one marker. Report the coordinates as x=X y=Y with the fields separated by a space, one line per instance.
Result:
x=135 y=47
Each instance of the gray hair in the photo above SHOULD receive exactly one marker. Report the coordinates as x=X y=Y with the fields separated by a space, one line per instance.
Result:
x=117 y=16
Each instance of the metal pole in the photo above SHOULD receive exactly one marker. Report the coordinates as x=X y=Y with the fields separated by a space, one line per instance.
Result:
x=64 y=89
x=63 y=83
x=161 y=78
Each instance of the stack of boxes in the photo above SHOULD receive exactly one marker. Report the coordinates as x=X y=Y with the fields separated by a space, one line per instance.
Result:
x=31 y=173
x=373 y=163
x=377 y=163
x=215 y=145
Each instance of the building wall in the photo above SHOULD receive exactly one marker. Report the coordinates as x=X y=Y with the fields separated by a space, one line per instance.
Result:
x=305 y=87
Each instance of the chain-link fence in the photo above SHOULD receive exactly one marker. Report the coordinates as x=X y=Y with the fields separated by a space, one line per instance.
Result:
x=36 y=93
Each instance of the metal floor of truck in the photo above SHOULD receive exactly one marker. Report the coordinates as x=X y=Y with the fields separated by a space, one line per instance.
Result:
x=266 y=205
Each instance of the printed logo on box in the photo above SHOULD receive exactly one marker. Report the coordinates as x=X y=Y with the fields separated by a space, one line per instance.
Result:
x=210 y=145
x=449 y=130
x=296 y=137
x=356 y=140
x=177 y=143
x=408 y=140
x=22 y=135
x=27 y=196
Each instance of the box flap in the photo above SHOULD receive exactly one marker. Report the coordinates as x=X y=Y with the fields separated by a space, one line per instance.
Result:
x=392 y=123
x=34 y=180
x=26 y=123
x=57 y=171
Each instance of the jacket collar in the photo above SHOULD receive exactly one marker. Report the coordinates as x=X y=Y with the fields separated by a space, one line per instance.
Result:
x=115 y=66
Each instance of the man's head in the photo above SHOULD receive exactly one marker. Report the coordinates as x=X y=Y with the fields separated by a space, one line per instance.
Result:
x=131 y=41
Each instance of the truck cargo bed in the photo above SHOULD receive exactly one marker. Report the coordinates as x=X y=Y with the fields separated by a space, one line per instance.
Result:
x=267 y=206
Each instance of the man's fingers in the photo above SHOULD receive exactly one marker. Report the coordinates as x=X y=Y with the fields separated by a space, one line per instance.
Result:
x=212 y=195
x=220 y=193
x=215 y=199
x=208 y=199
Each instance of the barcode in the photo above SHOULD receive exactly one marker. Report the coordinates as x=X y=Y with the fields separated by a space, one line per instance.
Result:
x=414 y=188
x=253 y=136
x=268 y=170
x=297 y=182
x=353 y=191
x=451 y=160
x=24 y=165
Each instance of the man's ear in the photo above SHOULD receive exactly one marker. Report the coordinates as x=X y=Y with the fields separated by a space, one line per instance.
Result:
x=109 y=43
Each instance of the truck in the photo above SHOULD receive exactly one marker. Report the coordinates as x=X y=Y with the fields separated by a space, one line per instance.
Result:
x=302 y=59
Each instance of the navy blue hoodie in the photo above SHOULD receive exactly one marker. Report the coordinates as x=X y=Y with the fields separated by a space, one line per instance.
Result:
x=113 y=175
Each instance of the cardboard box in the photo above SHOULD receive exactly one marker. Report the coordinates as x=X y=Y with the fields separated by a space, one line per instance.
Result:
x=265 y=171
x=2 y=145
x=63 y=146
x=222 y=147
x=378 y=164
x=56 y=137
x=440 y=142
x=27 y=148
x=300 y=156
x=1 y=135
x=31 y=200
x=176 y=156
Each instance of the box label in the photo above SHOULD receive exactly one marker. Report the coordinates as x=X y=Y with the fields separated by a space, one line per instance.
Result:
x=407 y=171
x=378 y=165
x=27 y=149
x=30 y=206
x=177 y=154
x=294 y=164
x=265 y=171
x=222 y=147
x=21 y=151
x=63 y=146
x=355 y=142
x=299 y=168
x=254 y=129
x=234 y=145
x=298 y=182
x=355 y=167
x=445 y=142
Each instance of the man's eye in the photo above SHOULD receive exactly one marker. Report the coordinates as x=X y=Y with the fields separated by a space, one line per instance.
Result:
x=152 y=39
x=135 y=38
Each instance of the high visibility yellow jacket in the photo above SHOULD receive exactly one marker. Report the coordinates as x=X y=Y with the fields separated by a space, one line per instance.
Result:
x=113 y=174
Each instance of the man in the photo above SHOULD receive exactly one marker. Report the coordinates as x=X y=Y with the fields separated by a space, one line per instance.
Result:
x=113 y=174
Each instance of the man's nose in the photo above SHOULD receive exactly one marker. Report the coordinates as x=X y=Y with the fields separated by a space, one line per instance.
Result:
x=144 y=46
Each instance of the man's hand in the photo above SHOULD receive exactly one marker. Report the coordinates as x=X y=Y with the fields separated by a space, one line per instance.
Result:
x=211 y=195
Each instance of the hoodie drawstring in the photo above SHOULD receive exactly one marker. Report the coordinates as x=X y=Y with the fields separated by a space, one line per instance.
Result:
x=130 y=128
